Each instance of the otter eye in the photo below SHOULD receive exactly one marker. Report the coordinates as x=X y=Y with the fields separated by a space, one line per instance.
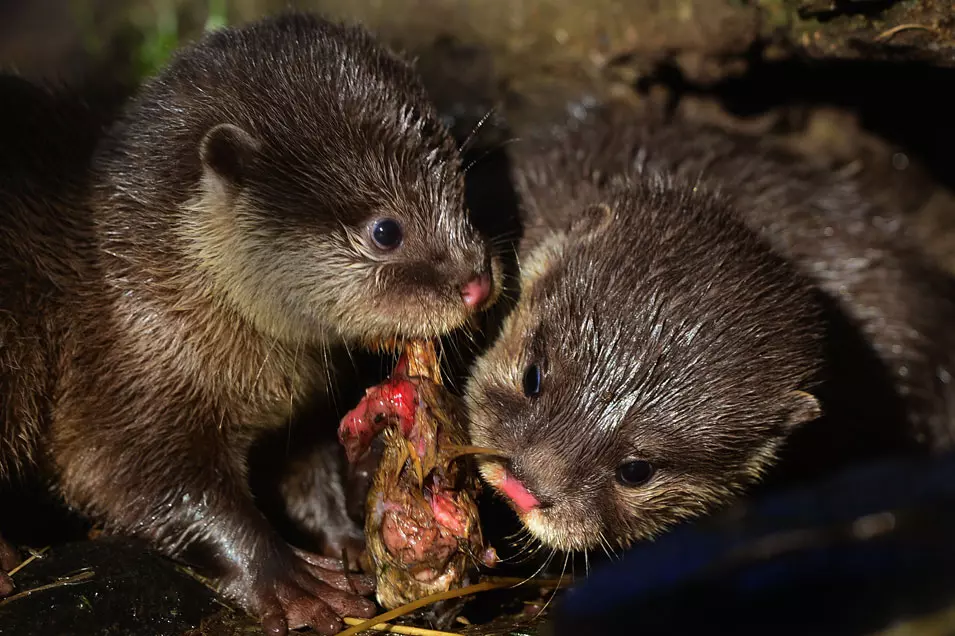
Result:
x=532 y=380
x=387 y=234
x=634 y=472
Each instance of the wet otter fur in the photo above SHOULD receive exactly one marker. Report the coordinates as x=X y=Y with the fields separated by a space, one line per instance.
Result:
x=191 y=289
x=691 y=302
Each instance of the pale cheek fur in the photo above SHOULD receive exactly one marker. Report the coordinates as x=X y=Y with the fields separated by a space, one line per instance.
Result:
x=538 y=262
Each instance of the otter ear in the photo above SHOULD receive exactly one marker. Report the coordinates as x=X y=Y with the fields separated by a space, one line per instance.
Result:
x=226 y=152
x=591 y=219
x=802 y=407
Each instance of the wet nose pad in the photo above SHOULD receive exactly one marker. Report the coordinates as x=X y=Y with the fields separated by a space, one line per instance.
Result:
x=515 y=490
x=476 y=291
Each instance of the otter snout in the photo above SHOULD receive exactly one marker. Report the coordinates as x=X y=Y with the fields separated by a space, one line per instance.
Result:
x=515 y=490
x=476 y=291
x=508 y=480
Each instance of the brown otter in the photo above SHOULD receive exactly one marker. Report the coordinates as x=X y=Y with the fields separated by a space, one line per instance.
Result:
x=689 y=301
x=279 y=190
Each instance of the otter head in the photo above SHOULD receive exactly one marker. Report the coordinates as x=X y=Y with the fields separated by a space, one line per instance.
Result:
x=313 y=183
x=657 y=358
x=367 y=244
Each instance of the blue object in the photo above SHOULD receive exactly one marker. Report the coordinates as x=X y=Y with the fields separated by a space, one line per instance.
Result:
x=849 y=555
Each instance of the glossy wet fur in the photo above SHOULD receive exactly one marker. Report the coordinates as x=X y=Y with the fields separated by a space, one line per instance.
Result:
x=684 y=324
x=162 y=313
x=315 y=168
x=861 y=258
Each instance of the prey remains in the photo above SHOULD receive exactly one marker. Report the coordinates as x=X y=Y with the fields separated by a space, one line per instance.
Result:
x=421 y=523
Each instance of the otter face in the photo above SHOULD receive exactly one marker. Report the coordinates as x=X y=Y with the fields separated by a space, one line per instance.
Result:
x=331 y=199
x=365 y=247
x=654 y=363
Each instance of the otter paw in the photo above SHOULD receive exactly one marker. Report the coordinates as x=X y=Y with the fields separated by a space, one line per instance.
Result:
x=312 y=591
x=344 y=544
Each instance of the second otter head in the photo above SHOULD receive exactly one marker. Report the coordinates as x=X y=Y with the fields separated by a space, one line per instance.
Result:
x=310 y=178
x=658 y=356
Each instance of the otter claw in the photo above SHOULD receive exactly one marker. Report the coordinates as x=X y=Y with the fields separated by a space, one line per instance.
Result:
x=320 y=561
x=336 y=576
x=347 y=548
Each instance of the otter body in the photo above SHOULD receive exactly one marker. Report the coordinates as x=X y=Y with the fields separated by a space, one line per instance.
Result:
x=690 y=302
x=280 y=190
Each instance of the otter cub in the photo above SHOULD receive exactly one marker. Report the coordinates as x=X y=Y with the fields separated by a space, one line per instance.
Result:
x=690 y=301
x=279 y=189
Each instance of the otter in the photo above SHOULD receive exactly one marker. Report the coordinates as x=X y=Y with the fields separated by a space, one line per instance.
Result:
x=279 y=192
x=693 y=305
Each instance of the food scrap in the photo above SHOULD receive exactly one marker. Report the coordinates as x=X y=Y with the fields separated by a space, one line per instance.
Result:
x=422 y=529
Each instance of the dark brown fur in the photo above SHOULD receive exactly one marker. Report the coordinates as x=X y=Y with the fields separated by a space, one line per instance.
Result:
x=684 y=290
x=8 y=560
x=184 y=296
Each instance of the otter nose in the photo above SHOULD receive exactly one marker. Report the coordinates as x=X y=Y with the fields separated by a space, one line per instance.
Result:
x=476 y=291
x=517 y=492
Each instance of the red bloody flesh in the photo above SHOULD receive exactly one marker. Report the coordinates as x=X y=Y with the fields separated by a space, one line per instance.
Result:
x=414 y=539
x=392 y=401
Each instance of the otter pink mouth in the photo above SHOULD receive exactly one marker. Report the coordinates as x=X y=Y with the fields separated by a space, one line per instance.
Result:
x=517 y=493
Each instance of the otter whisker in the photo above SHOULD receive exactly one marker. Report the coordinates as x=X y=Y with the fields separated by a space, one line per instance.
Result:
x=542 y=568
x=505 y=239
x=521 y=546
x=295 y=362
x=323 y=348
x=488 y=152
x=468 y=332
x=517 y=534
x=532 y=547
x=445 y=346
x=350 y=354
x=525 y=550
x=265 y=361
x=560 y=580
x=605 y=545
x=401 y=347
x=474 y=131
